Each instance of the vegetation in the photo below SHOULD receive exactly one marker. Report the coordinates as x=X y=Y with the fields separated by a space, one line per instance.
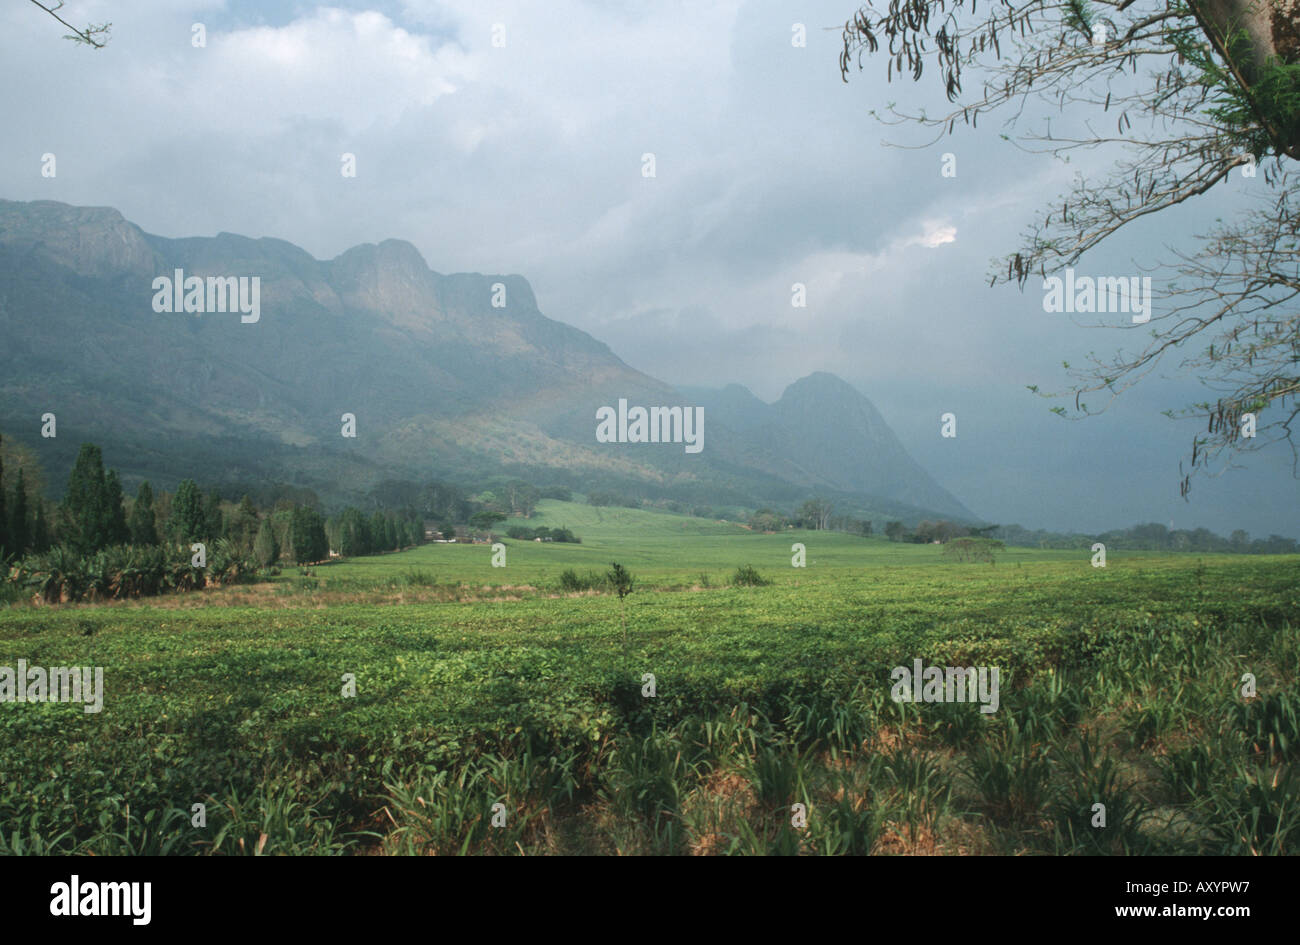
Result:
x=124 y=571
x=973 y=549
x=746 y=576
x=1149 y=537
x=542 y=533
x=766 y=696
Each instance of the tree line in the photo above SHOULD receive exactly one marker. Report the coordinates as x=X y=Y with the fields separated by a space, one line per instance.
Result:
x=1151 y=536
x=284 y=523
x=816 y=514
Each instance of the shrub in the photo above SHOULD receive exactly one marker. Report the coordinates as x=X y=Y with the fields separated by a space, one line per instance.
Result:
x=571 y=580
x=522 y=533
x=746 y=576
x=620 y=580
x=125 y=571
x=972 y=549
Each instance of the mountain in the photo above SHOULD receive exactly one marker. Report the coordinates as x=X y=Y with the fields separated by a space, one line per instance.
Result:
x=836 y=437
x=454 y=376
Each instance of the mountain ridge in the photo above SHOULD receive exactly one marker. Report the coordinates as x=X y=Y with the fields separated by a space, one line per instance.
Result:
x=441 y=380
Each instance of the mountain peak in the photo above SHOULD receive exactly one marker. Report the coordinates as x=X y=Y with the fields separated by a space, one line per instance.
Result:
x=92 y=241
x=391 y=278
x=476 y=292
x=389 y=255
x=822 y=383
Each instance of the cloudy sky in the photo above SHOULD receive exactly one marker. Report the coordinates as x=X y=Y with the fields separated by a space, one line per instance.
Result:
x=526 y=158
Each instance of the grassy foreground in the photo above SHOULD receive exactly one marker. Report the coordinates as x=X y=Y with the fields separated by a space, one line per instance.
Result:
x=495 y=713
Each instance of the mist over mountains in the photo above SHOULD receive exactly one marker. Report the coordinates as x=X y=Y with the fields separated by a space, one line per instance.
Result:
x=442 y=382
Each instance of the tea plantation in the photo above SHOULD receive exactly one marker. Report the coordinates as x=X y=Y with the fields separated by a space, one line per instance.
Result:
x=428 y=702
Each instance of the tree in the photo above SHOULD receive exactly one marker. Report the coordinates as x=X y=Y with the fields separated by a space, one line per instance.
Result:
x=940 y=531
x=244 y=522
x=973 y=549
x=6 y=546
x=447 y=530
x=115 y=530
x=486 y=519
x=282 y=528
x=521 y=498
x=895 y=531
x=491 y=502
x=414 y=528
x=265 y=550
x=85 y=504
x=307 y=535
x=93 y=35
x=214 y=523
x=1224 y=94
x=354 y=533
x=815 y=513
x=620 y=579
x=143 y=523
x=377 y=540
x=40 y=528
x=766 y=520
x=188 y=521
x=19 y=534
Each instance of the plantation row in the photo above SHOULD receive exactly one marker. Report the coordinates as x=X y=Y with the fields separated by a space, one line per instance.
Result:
x=125 y=571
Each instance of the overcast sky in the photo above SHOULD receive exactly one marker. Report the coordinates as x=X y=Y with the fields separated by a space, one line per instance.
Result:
x=527 y=158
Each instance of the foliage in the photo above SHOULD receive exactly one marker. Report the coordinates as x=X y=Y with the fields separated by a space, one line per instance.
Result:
x=91 y=519
x=188 y=522
x=571 y=581
x=766 y=696
x=973 y=549
x=1185 y=98
x=125 y=571
x=265 y=549
x=307 y=535
x=542 y=533
x=620 y=580
x=143 y=525
x=747 y=576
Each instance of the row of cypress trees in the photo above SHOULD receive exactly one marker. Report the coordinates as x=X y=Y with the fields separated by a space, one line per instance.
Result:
x=24 y=524
x=93 y=517
x=93 y=514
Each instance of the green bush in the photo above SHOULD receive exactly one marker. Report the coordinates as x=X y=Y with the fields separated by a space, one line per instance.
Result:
x=125 y=571
x=571 y=580
x=748 y=577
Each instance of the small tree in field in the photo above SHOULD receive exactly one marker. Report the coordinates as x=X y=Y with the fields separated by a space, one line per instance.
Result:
x=973 y=549
x=620 y=579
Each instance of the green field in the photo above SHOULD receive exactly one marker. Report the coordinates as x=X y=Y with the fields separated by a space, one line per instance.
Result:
x=479 y=685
